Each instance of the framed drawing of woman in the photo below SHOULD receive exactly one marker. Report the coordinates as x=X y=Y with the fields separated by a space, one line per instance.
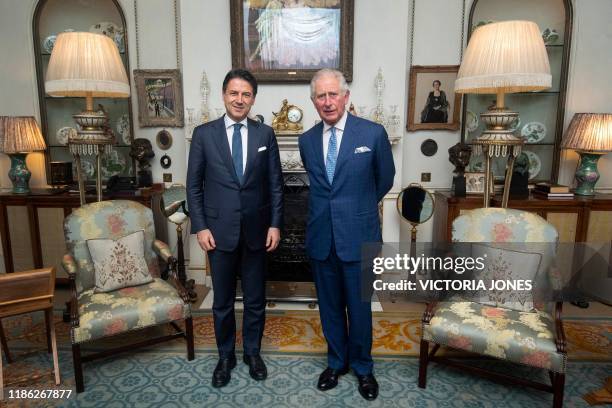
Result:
x=433 y=103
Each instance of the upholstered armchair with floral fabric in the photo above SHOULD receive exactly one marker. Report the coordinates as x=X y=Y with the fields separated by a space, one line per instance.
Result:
x=531 y=336
x=96 y=313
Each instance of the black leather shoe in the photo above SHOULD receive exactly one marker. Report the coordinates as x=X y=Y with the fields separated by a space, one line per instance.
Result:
x=257 y=367
x=329 y=378
x=222 y=373
x=368 y=387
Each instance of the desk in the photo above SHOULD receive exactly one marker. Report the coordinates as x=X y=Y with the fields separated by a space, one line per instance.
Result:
x=32 y=225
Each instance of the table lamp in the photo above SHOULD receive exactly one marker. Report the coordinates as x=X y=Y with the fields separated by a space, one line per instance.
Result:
x=501 y=58
x=590 y=134
x=87 y=65
x=20 y=135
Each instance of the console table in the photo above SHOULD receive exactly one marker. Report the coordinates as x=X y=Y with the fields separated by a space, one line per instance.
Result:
x=32 y=225
x=579 y=219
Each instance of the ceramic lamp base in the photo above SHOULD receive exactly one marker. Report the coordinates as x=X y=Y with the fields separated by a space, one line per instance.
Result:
x=19 y=173
x=587 y=174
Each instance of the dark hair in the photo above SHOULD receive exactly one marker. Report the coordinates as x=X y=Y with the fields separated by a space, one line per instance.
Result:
x=241 y=74
x=434 y=82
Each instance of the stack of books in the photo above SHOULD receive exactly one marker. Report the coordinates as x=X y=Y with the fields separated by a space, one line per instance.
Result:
x=552 y=191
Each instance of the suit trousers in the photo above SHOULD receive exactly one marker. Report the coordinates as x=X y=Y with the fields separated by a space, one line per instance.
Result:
x=225 y=266
x=346 y=314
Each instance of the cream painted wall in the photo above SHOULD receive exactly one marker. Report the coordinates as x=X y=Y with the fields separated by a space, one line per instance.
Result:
x=381 y=39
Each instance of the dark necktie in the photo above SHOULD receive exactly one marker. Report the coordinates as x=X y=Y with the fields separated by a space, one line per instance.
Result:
x=237 y=151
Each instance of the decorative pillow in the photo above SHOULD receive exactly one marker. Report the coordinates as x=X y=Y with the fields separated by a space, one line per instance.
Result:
x=511 y=267
x=119 y=263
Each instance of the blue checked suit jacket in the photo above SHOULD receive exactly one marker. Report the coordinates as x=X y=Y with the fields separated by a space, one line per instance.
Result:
x=346 y=210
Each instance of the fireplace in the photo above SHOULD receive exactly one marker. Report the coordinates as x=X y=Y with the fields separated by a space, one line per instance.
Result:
x=289 y=276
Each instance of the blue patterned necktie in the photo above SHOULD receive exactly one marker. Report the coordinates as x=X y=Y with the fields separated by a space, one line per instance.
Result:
x=332 y=153
x=237 y=151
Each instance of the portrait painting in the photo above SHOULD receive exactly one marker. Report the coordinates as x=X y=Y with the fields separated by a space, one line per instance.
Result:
x=289 y=40
x=433 y=103
x=160 y=100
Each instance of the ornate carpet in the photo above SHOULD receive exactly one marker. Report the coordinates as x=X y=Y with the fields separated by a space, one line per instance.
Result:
x=157 y=378
x=395 y=334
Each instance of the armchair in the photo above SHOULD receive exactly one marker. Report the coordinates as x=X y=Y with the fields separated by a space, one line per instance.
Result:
x=534 y=338
x=99 y=315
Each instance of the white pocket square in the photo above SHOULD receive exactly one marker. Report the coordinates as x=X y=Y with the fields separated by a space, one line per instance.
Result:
x=261 y=149
x=362 y=149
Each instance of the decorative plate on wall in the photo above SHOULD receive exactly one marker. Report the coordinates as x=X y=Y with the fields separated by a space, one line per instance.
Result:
x=64 y=134
x=471 y=121
x=535 y=164
x=123 y=127
x=429 y=147
x=111 y=30
x=49 y=43
x=163 y=139
x=533 y=132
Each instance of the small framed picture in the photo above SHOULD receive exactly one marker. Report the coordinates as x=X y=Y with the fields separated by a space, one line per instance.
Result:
x=474 y=183
x=433 y=103
x=160 y=99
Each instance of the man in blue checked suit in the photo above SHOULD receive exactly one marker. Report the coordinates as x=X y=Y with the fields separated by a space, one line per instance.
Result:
x=235 y=197
x=350 y=169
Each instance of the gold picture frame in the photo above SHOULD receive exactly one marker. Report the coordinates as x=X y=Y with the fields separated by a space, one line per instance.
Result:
x=325 y=29
x=160 y=97
x=426 y=111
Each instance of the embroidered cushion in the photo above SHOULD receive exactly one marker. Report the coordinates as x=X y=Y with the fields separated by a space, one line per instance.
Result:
x=509 y=266
x=119 y=263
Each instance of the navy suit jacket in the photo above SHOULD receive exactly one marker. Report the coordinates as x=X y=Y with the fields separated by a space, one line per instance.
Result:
x=215 y=197
x=348 y=208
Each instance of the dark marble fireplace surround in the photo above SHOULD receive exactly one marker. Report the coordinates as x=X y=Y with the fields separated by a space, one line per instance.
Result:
x=289 y=276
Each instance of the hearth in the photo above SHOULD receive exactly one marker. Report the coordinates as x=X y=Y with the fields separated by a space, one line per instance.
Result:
x=289 y=275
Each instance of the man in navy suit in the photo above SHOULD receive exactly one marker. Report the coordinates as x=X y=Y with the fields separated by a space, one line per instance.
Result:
x=235 y=198
x=350 y=169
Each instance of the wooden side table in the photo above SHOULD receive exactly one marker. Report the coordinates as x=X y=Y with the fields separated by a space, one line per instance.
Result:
x=25 y=292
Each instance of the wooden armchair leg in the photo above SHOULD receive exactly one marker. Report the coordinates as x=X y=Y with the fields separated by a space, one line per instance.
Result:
x=423 y=361
x=558 y=385
x=189 y=335
x=51 y=336
x=78 y=368
x=5 y=349
x=48 y=325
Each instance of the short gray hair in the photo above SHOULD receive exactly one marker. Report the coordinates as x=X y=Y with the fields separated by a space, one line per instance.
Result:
x=328 y=72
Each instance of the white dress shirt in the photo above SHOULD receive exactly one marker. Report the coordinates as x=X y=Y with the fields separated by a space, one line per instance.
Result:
x=327 y=134
x=244 y=132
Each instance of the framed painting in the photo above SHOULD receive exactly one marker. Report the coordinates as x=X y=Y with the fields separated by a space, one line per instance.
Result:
x=290 y=40
x=433 y=103
x=160 y=98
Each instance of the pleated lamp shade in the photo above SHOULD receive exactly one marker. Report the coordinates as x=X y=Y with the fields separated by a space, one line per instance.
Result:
x=86 y=63
x=20 y=134
x=508 y=56
x=589 y=132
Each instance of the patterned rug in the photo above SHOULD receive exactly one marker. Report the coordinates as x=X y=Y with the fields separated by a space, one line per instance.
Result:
x=157 y=378
x=395 y=334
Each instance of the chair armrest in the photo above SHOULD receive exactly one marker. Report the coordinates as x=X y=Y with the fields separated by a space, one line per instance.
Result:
x=69 y=264
x=162 y=250
x=70 y=267
x=560 y=341
x=429 y=312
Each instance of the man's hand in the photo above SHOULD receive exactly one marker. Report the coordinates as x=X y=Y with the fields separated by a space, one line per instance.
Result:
x=273 y=239
x=206 y=240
